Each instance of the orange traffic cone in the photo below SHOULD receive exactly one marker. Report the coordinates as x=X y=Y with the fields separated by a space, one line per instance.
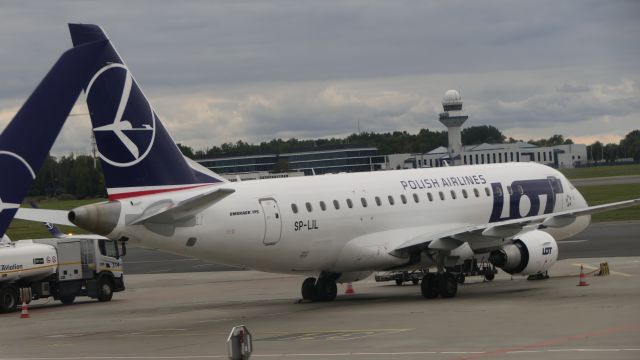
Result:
x=582 y=282
x=349 y=289
x=24 y=313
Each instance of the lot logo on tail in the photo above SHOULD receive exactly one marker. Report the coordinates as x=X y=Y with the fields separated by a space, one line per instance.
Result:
x=124 y=122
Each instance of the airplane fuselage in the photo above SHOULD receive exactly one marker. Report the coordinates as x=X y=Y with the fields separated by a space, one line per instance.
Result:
x=351 y=222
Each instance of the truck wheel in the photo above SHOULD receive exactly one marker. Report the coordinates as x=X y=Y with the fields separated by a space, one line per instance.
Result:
x=67 y=300
x=8 y=299
x=105 y=289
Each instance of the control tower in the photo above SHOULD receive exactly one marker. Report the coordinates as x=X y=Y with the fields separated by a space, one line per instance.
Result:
x=453 y=118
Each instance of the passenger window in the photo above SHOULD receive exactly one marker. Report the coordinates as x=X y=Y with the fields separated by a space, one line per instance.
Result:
x=336 y=204
x=441 y=195
x=499 y=191
x=391 y=201
x=453 y=194
x=430 y=197
x=520 y=190
x=464 y=193
x=509 y=190
x=403 y=198
x=349 y=203
x=476 y=192
x=294 y=208
x=309 y=207
x=486 y=190
x=364 y=202
x=323 y=206
x=416 y=198
x=378 y=201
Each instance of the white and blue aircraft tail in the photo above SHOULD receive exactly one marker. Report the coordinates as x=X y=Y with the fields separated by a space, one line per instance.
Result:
x=336 y=228
x=27 y=140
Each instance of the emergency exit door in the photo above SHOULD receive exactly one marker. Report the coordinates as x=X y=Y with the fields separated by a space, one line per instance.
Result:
x=272 y=221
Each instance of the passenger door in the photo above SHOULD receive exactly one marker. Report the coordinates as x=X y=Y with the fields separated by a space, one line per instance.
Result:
x=272 y=221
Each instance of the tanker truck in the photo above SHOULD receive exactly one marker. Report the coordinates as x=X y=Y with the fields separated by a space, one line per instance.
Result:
x=61 y=268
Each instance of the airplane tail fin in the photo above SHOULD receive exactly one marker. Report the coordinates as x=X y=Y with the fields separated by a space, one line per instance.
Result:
x=138 y=155
x=27 y=140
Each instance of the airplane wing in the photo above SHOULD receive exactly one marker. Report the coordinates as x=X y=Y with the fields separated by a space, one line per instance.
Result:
x=485 y=235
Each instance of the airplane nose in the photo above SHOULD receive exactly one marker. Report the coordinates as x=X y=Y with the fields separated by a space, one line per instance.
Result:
x=99 y=218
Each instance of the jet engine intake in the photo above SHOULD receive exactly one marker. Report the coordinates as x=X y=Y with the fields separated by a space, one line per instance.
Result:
x=530 y=253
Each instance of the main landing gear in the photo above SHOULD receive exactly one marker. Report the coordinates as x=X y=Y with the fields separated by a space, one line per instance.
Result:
x=324 y=289
x=443 y=284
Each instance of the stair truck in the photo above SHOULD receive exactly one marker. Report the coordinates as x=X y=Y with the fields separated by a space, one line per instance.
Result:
x=62 y=268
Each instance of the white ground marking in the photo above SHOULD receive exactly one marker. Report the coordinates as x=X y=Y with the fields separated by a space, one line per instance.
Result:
x=294 y=355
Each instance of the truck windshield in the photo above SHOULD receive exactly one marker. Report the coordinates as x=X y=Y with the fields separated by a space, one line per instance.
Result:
x=108 y=248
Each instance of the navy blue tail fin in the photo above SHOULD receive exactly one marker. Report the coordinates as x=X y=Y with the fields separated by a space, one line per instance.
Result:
x=138 y=155
x=28 y=138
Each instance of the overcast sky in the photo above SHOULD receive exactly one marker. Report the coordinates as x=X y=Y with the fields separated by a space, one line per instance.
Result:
x=221 y=71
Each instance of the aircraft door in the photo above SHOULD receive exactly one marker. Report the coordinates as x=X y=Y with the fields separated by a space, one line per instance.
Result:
x=272 y=221
x=558 y=193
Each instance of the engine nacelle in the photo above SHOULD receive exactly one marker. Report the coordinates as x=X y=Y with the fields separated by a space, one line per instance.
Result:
x=530 y=253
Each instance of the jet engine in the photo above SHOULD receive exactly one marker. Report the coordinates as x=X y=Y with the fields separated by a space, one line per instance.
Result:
x=530 y=253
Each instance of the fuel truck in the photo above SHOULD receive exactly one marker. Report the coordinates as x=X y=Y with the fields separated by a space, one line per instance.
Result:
x=61 y=268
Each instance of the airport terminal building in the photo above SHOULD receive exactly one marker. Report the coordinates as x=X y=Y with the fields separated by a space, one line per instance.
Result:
x=345 y=158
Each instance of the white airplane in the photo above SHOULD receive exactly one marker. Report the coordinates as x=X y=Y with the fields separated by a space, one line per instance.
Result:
x=339 y=228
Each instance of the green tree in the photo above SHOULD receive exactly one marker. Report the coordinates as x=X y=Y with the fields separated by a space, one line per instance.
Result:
x=630 y=145
x=482 y=134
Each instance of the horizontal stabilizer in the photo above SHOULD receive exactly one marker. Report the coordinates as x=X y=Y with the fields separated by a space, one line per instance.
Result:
x=174 y=213
x=60 y=217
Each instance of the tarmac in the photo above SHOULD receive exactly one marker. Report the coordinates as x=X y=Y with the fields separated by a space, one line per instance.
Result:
x=607 y=239
x=189 y=315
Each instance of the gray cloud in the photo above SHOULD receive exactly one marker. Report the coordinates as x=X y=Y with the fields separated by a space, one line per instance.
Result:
x=229 y=70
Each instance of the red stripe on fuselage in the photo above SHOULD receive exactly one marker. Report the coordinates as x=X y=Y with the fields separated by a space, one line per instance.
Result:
x=131 y=194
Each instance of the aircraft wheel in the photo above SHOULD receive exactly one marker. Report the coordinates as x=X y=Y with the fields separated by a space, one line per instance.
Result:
x=429 y=286
x=447 y=285
x=68 y=300
x=460 y=278
x=489 y=275
x=308 y=288
x=326 y=290
x=415 y=281
x=399 y=282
